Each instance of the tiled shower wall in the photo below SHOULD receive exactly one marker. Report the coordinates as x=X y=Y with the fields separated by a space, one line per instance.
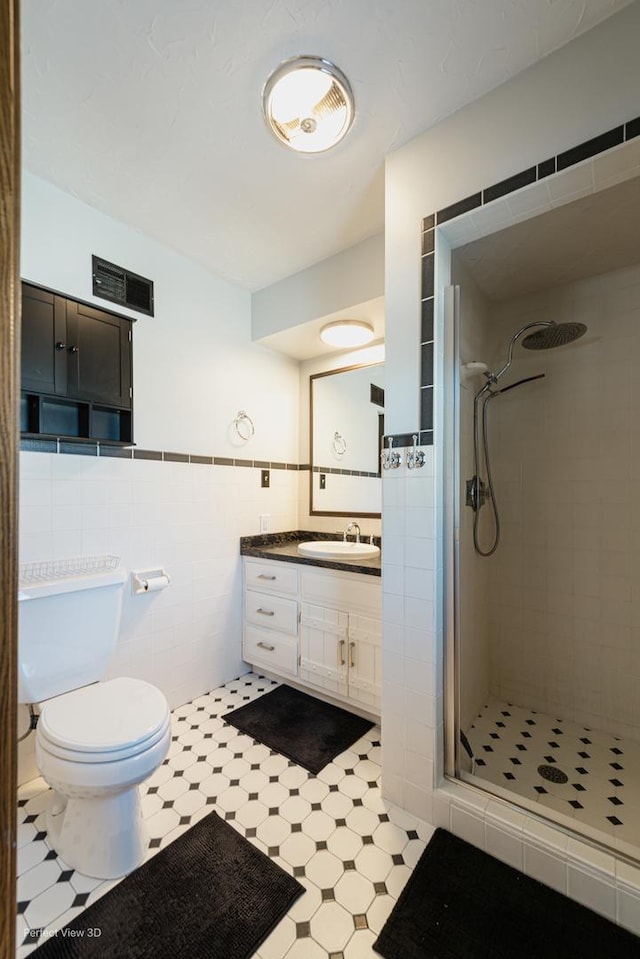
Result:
x=565 y=594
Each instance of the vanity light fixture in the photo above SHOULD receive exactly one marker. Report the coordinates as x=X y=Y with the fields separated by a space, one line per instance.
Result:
x=347 y=333
x=308 y=104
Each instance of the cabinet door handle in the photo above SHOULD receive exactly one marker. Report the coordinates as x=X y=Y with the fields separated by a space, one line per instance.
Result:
x=60 y=346
x=341 y=649
x=265 y=612
x=266 y=646
x=73 y=349
x=352 y=661
x=264 y=576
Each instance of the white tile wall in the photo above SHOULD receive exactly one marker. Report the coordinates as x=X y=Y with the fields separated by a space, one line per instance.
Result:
x=565 y=607
x=187 y=518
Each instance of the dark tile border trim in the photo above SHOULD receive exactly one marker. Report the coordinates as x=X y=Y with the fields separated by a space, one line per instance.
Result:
x=562 y=161
x=91 y=448
x=341 y=472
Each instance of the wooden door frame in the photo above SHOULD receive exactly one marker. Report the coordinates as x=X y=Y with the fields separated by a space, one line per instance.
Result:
x=9 y=445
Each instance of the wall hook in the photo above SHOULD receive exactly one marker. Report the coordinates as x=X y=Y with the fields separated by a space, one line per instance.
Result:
x=390 y=458
x=415 y=457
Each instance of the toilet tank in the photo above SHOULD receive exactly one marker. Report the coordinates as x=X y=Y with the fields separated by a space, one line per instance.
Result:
x=67 y=632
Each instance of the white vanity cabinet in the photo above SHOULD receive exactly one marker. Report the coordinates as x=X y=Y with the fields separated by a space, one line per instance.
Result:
x=318 y=625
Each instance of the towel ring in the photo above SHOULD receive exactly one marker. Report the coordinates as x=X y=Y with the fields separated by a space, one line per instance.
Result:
x=339 y=444
x=243 y=425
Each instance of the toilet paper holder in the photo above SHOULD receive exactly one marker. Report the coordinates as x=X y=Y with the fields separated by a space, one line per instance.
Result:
x=149 y=581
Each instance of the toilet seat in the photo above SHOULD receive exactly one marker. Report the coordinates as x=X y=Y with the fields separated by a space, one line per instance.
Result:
x=104 y=722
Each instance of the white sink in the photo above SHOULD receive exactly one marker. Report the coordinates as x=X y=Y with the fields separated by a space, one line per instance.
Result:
x=337 y=549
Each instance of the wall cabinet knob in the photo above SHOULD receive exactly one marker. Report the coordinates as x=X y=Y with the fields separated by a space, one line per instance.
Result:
x=60 y=346
x=73 y=349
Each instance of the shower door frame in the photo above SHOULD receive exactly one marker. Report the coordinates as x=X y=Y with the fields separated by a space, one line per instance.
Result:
x=447 y=373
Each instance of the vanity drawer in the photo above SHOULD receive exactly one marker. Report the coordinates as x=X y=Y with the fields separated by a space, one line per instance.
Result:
x=279 y=653
x=271 y=612
x=272 y=576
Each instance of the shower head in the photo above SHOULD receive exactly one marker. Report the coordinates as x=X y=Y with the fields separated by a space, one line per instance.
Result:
x=555 y=334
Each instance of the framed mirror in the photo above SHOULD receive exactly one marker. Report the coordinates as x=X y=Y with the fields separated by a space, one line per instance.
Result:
x=346 y=430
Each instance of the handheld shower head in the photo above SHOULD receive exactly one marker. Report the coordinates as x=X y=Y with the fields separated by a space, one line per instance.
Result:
x=556 y=334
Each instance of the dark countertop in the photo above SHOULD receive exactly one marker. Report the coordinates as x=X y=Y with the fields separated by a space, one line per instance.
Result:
x=284 y=547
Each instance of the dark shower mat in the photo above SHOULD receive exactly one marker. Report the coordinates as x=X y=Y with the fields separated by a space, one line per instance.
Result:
x=209 y=894
x=460 y=903
x=302 y=728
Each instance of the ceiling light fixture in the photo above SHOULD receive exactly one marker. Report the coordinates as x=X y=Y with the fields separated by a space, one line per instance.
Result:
x=308 y=104
x=347 y=333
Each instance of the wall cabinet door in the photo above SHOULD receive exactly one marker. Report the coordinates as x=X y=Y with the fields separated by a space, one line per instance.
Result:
x=98 y=355
x=44 y=341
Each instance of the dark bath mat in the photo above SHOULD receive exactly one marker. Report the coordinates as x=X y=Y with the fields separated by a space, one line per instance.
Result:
x=209 y=894
x=461 y=903
x=302 y=728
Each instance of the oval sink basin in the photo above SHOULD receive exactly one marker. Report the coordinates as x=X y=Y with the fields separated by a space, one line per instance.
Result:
x=337 y=549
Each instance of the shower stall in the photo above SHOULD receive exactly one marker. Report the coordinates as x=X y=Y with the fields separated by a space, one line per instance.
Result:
x=545 y=671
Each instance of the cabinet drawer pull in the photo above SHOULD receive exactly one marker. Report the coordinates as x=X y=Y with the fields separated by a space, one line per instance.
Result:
x=265 y=612
x=73 y=349
x=351 y=656
x=341 y=648
x=60 y=346
x=264 y=576
x=266 y=646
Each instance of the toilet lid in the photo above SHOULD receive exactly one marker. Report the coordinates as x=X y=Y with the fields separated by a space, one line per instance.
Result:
x=104 y=717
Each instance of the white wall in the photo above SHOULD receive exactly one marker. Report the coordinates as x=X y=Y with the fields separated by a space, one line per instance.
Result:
x=352 y=276
x=582 y=90
x=195 y=367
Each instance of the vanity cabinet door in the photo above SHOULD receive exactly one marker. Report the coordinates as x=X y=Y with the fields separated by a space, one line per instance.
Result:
x=324 y=647
x=365 y=661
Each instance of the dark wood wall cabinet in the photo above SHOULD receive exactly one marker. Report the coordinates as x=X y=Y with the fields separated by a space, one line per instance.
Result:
x=76 y=370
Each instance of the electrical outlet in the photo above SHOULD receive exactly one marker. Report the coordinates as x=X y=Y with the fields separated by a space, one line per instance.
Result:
x=264 y=522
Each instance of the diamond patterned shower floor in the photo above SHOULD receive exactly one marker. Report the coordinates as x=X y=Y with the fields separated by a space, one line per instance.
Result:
x=518 y=749
x=352 y=851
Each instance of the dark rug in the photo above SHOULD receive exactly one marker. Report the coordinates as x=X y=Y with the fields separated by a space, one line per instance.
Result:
x=302 y=728
x=209 y=894
x=461 y=903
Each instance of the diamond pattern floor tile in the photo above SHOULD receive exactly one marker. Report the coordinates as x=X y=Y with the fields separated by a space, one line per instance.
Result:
x=587 y=774
x=351 y=851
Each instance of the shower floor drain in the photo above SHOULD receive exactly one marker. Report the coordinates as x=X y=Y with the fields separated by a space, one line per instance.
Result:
x=552 y=774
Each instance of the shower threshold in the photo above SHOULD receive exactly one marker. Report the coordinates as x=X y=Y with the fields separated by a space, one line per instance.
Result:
x=561 y=769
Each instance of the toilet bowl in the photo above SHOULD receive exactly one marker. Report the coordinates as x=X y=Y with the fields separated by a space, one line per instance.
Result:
x=94 y=746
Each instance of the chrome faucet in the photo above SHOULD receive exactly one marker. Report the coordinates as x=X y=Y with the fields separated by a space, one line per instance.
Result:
x=350 y=528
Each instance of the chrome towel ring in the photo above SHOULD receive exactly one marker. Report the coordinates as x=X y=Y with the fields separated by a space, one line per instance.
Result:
x=243 y=425
x=339 y=444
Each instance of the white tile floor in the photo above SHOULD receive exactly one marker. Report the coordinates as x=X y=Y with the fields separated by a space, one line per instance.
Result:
x=600 y=788
x=352 y=851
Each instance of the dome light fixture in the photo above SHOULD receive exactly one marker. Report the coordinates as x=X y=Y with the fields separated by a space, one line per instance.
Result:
x=347 y=333
x=308 y=104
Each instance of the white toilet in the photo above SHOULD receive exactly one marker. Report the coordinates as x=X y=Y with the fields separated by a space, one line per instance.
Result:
x=95 y=741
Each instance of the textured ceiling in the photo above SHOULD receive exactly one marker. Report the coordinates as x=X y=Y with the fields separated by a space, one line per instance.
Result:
x=150 y=110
